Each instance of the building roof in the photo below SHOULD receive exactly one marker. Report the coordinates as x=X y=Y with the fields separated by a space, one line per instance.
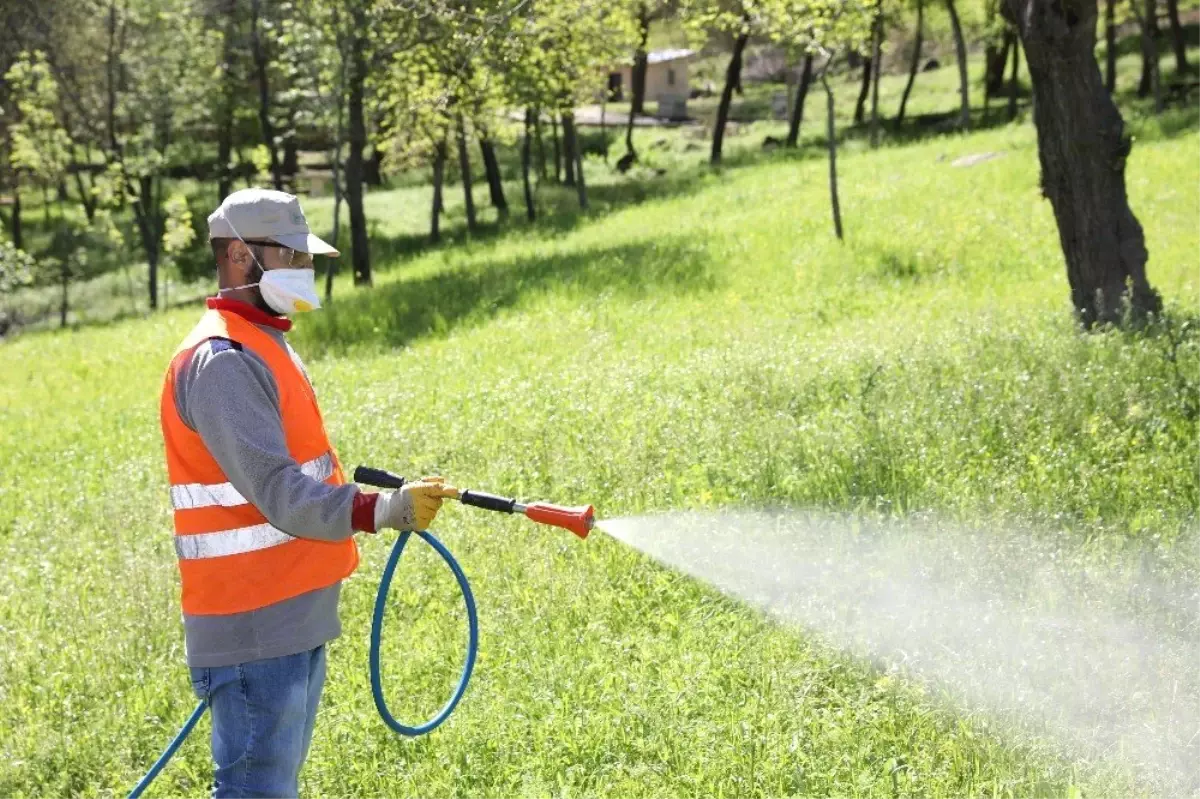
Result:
x=659 y=56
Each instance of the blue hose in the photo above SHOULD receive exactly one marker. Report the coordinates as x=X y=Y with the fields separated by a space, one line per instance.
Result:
x=385 y=585
x=169 y=752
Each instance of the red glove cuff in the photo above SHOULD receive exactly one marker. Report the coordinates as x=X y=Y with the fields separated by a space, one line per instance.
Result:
x=362 y=514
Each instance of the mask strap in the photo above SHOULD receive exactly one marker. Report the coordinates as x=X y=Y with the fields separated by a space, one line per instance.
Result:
x=259 y=266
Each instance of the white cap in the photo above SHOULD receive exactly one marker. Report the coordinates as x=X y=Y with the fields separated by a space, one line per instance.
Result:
x=264 y=214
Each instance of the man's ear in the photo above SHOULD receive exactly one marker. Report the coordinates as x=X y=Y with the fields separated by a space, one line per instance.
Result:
x=239 y=255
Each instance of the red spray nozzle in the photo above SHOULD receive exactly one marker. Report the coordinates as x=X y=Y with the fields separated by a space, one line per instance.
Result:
x=578 y=520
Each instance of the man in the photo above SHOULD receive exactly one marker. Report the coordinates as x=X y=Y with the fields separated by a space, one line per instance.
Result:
x=264 y=517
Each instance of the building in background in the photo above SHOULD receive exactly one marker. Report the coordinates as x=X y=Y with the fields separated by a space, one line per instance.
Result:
x=666 y=82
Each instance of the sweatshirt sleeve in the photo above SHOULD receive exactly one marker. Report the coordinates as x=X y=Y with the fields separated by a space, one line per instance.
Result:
x=228 y=395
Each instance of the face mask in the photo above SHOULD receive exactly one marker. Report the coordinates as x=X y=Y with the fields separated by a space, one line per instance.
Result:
x=283 y=290
x=287 y=290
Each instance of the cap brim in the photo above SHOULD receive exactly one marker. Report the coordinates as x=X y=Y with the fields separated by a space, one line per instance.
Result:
x=306 y=242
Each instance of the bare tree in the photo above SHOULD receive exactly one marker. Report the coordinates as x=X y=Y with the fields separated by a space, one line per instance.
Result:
x=491 y=168
x=960 y=49
x=261 y=60
x=864 y=90
x=637 y=75
x=1151 y=81
x=227 y=102
x=798 y=101
x=439 y=178
x=733 y=79
x=464 y=167
x=914 y=65
x=1147 y=18
x=876 y=41
x=1178 y=40
x=530 y=213
x=569 y=144
x=1083 y=148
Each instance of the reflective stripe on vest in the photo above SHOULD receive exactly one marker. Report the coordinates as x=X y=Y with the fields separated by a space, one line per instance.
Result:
x=239 y=539
x=229 y=542
x=231 y=558
x=199 y=495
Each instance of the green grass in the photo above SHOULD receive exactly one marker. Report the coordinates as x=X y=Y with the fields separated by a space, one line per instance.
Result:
x=710 y=345
x=698 y=340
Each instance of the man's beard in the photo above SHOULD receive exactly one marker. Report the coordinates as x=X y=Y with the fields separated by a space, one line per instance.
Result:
x=262 y=305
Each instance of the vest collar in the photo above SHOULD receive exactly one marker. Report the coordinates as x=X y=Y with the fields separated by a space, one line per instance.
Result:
x=250 y=313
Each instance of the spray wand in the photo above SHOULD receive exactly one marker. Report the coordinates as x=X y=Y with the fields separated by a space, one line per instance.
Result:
x=579 y=520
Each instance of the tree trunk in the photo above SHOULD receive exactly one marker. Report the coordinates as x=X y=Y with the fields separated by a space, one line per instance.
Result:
x=224 y=153
x=570 y=143
x=831 y=140
x=148 y=228
x=339 y=133
x=557 y=149
x=1149 y=24
x=541 y=144
x=1082 y=148
x=860 y=106
x=1012 y=83
x=264 y=93
x=15 y=222
x=225 y=107
x=439 y=175
x=637 y=75
x=86 y=198
x=492 y=170
x=464 y=166
x=1148 y=21
x=1110 y=46
x=580 y=186
x=914 y=65
x=360 y=255
x=995 y=59
x=330 y=263
x=960 y=48
x=876 y=68
x=793 y=135
x=291 y=156
x=373 y=168
x=733 y=77
x=630 y=153
x=530 y=213
x=1178 y=41
x=110 y=67
x=603 y=130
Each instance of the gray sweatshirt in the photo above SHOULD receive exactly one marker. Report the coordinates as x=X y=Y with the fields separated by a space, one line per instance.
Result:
x=228 y=395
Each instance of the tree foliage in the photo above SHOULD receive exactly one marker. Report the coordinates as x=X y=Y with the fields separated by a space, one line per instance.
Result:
x=40 y=147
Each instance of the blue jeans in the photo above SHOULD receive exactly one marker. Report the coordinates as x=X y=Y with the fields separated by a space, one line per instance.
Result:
x=262 y=721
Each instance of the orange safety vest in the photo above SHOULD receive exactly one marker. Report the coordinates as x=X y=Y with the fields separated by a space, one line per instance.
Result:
x=231 y=559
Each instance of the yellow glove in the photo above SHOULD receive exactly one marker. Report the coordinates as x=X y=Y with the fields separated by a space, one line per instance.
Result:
x=414 y=506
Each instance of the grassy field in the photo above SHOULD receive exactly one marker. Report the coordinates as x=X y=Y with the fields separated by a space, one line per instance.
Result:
x=701 y=340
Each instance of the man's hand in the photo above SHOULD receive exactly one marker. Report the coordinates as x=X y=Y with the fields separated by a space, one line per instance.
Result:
x=414 y=506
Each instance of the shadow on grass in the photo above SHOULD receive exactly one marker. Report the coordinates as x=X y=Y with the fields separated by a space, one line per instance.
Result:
x=1131 y=43
x=397 y=313
x=558 y=213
